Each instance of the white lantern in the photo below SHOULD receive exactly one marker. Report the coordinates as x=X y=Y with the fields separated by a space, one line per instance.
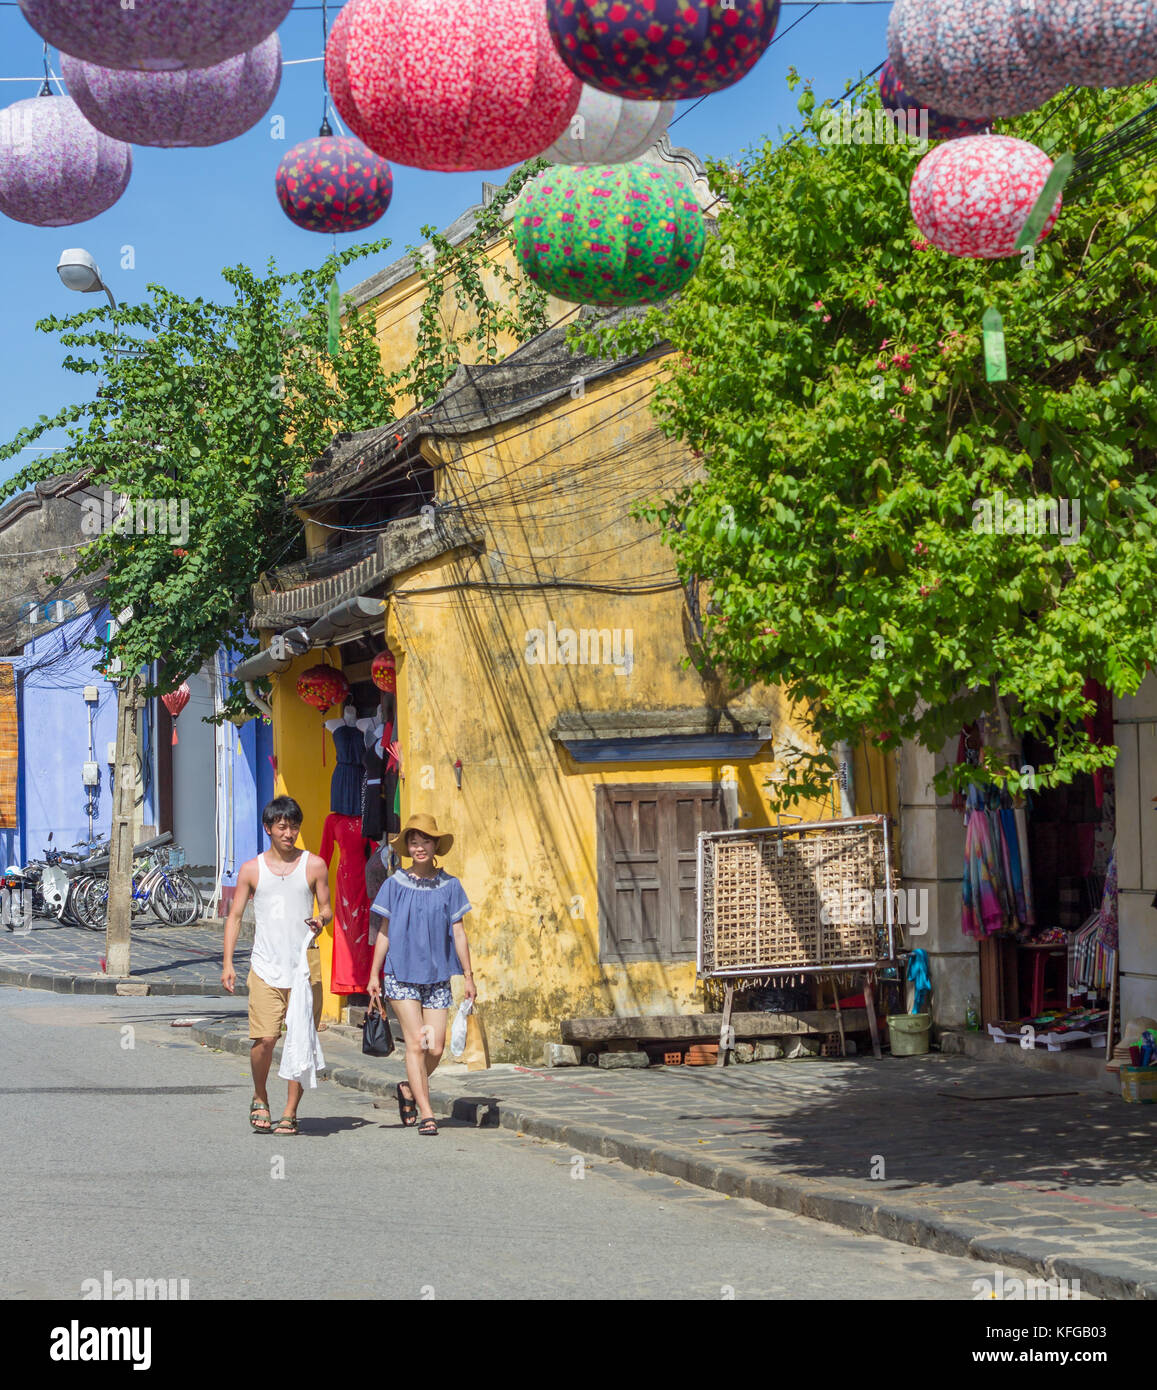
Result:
x=608 y=130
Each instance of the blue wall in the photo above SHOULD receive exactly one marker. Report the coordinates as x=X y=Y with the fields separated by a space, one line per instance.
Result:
x=248 y=749
x=54 y=740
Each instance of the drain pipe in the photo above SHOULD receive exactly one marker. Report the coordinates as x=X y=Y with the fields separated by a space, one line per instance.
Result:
x=257 y=701
x=845 y=778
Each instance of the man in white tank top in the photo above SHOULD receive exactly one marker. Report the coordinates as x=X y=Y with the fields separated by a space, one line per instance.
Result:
x=284 y=882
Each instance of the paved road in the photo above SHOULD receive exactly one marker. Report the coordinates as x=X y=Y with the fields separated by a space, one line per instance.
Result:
x=104 y=1097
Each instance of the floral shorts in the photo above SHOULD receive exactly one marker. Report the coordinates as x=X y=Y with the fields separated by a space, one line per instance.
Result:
x=435 y=996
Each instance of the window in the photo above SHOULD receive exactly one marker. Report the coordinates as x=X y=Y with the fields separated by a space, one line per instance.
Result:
x=647 y=857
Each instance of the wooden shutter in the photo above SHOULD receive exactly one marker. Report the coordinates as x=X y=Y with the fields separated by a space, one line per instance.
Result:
x=647 y=847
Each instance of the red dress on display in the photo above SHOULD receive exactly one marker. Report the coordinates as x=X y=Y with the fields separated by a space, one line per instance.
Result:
x=353 y=952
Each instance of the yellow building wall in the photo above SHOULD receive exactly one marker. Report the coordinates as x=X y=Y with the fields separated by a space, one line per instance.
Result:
x=552 y=502
x=551 y=493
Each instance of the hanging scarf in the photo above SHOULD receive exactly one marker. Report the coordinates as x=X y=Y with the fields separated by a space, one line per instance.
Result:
x=982 y=913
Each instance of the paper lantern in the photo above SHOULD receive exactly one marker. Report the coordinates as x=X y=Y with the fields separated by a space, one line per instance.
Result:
x=965 y=58
x=662 y=49
x=972 y=197
x=175 y=701
x=152 y=36
x=202 y=106
x=894 y=97
x=607 y=129
x=383 y=672
x=476 y=84
x=609 y=234
x=336 y=74
x=55 y=168
x=334 y=184
x=322 y=687
x=1092 y=44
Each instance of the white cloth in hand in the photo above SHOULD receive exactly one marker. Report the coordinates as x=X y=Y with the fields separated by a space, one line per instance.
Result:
x=301 y=1057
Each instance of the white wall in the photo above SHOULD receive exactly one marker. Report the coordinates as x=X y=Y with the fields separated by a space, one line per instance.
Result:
x=1135 y=733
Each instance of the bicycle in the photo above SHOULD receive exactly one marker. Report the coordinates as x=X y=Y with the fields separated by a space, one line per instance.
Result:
x=158 y=884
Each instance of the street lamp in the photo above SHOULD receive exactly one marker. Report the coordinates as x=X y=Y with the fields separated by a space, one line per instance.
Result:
x=79 y=271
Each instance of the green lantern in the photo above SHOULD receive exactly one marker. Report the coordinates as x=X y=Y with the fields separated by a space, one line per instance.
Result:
x=609 y=234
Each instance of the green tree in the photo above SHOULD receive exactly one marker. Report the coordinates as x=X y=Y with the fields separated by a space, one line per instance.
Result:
x=211 y=418
x=830 y=371
x=216 y=413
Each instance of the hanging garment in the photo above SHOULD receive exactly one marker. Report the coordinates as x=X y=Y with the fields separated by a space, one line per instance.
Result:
x=372 y=801
x=345 y=788
x=1020 y=815
x=1011 y=841
x=352 y=949
x=982 y=912
x=301 y=1057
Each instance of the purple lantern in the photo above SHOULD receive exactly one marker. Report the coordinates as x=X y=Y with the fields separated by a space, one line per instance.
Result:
x=203 y=106
x=940 y=127
x=55 y=168
x=152 y=36
x=334 y=184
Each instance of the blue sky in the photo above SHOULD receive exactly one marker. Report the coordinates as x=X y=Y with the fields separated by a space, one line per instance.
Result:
x=187 y=213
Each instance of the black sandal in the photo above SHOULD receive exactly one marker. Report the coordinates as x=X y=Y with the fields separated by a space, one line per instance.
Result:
x=428 y=1126
x=407 y=1108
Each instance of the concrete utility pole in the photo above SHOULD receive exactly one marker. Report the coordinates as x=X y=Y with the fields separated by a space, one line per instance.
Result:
x=120 y=868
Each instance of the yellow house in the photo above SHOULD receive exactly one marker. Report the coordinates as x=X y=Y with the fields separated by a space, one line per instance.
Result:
x=548 y=709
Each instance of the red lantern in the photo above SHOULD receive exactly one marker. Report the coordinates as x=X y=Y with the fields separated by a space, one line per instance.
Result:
x=384 y=672
x=972 y=197
x=322 y=687
x=476 y=84
x=175 y=701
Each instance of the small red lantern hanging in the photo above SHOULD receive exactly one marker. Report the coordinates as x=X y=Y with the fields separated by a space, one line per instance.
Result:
x=175 y=701
x=323 y=687
x=384 y=673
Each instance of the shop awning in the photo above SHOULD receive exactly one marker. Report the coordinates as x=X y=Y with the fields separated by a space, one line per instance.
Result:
x=351 y=616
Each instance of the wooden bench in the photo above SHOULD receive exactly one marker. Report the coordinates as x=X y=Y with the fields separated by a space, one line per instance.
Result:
x=692 y=1027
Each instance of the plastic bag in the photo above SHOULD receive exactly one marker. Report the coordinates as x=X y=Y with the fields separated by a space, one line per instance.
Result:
x=458 y=1030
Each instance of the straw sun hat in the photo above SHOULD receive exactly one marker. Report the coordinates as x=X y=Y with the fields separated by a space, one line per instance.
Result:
x=428 y=826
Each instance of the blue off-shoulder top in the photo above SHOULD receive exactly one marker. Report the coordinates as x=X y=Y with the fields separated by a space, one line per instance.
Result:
x=421 y=913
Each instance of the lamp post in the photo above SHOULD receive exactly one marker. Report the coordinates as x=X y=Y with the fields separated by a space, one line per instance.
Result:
x=79 y=271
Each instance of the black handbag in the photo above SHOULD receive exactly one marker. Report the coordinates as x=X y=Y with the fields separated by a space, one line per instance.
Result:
x=377 y=1040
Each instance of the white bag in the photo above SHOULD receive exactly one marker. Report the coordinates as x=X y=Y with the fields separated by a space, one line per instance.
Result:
x=458 y=1031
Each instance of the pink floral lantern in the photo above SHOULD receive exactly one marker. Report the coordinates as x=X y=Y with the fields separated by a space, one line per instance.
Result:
x=55 y=168
x=658 y=50
x=336 y=75
x=473 y=84
x=334 y=184
x=1090 y=43
x=201 y=106
x=966 y=58
x=152 y=35
x=972 y=197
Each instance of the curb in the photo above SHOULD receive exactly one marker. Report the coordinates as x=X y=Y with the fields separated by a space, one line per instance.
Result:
x=109 y=984
x=908 y=1224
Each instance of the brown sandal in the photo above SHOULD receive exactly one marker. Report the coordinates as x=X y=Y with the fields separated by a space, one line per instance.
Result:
x=256 y=1108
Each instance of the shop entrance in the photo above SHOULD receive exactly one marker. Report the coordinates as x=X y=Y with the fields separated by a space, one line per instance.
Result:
x=1047 y=971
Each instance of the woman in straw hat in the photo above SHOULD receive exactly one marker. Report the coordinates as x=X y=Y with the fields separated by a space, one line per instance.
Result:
x=420 y=945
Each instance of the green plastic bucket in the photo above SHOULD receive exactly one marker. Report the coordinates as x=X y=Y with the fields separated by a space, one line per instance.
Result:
x=909 y=1034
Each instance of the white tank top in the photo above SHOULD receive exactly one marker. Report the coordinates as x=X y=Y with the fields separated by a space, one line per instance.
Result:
x=281 y=905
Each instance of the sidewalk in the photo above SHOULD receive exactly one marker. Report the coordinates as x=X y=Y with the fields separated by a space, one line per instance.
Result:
x=1031 y=1171
x=166 y=960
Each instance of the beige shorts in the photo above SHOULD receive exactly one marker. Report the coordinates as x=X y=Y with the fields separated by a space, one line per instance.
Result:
x=267 y=1003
